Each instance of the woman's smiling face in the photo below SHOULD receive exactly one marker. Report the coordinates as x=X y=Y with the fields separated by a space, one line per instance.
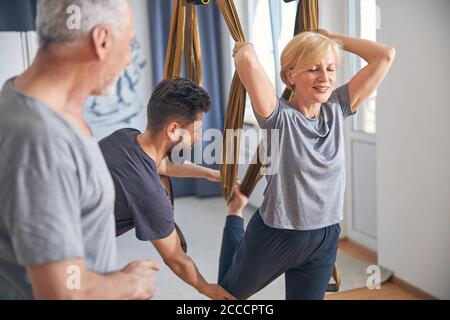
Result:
x=315 y=84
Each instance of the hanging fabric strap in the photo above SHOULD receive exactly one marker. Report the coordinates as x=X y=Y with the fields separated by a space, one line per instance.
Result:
x=234 y=115
x=192 y=51
x=183 y=38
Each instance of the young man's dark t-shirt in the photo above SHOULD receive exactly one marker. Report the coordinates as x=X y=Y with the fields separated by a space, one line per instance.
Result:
x=141 y=199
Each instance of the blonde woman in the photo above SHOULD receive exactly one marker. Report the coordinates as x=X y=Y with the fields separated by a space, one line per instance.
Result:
x=296 y=229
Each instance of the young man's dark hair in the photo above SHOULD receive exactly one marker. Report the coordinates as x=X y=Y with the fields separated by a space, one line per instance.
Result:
x=175 y=99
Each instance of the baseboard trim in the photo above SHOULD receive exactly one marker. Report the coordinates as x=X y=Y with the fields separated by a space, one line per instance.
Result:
x=356 y=250
x=411 y=288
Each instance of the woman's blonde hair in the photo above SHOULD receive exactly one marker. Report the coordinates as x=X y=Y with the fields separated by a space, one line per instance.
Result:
x=304 y=51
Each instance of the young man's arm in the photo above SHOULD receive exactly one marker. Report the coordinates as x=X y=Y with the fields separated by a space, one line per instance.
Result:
x=70 y=279
x=187 y=170
x=182 y=265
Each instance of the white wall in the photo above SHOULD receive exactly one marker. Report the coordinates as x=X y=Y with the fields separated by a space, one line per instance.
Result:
x=413 y=145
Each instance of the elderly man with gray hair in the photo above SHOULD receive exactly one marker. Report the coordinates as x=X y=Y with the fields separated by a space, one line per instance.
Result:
x=56 y=195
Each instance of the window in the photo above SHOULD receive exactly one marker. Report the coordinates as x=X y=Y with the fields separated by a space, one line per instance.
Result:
x=363 y=24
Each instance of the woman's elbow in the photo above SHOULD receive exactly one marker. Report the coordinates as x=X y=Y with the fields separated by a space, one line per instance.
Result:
x=390 y=54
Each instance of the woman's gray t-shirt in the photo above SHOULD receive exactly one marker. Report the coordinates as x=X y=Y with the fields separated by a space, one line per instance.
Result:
x=307 y=190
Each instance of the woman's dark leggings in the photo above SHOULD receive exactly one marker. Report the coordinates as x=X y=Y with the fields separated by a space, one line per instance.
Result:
x=251 y=259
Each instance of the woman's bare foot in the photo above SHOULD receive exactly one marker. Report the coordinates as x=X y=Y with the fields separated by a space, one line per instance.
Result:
x=238 y=202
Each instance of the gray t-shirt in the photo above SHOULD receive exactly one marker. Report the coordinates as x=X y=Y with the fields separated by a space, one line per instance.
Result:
x=56 y=194
x=307 y=192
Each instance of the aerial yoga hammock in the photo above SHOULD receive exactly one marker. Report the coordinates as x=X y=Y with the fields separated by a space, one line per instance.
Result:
x=184 y=39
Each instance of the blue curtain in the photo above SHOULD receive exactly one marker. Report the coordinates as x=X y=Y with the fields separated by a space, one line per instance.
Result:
x=159 y=12
x=210 y=40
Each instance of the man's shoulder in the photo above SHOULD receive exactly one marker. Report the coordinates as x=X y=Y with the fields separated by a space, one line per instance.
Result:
x=120 y=139
x=27 y=120
x=126 y=160
x=123 y=133
x=32 y=141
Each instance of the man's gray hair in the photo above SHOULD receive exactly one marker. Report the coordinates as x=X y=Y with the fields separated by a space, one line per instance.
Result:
x=60 y=21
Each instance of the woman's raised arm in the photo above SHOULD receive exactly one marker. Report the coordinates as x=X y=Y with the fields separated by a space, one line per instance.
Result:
x=261 y=91
x=379 y=58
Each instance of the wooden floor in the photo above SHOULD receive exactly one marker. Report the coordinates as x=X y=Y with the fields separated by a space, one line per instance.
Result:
x=388 y=291
x=391 y=290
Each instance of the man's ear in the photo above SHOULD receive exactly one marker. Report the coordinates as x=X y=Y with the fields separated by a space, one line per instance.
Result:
x=171 y=131
x=102 y=40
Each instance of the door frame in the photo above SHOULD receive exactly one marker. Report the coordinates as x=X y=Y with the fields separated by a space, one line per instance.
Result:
x=352 y=28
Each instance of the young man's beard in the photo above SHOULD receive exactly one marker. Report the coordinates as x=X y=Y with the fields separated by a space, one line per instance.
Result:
x=180 y=152
x=169 y=152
